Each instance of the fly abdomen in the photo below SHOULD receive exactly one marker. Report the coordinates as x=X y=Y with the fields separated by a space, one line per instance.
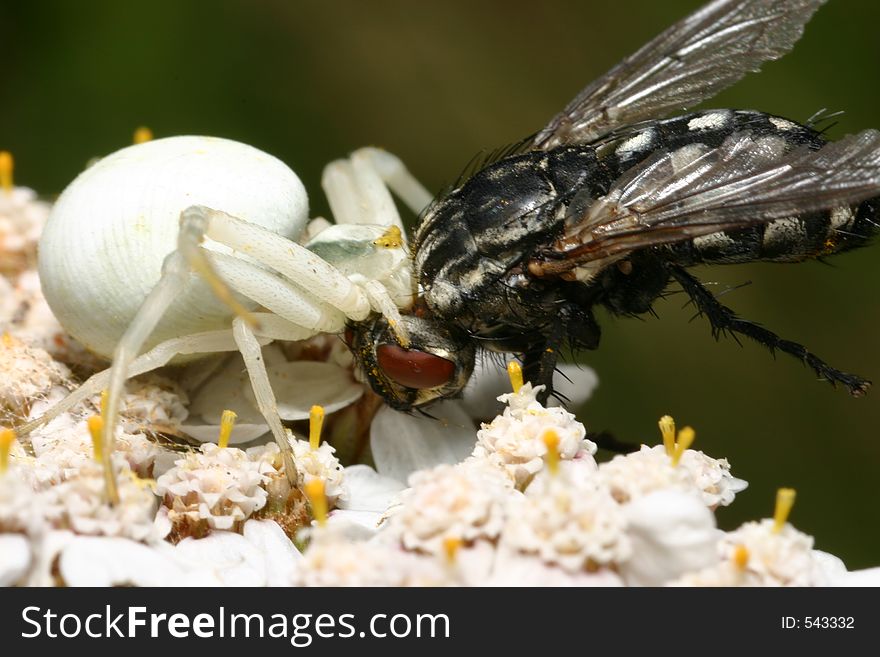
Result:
x=790 y=239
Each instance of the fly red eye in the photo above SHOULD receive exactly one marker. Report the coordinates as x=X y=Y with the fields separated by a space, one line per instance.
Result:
x=412 y=368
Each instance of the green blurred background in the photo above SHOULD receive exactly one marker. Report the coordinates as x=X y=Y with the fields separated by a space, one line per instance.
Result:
x=435 y=82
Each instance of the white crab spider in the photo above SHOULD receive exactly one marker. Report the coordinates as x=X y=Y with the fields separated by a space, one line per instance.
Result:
x=135 y=242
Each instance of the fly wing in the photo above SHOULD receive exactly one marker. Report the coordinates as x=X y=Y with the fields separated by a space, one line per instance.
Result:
x=697 y=190
x=688 y=63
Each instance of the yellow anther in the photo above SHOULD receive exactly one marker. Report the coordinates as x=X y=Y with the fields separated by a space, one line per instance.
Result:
x=7 y=164
x=227 y=421
x=7 y=340
x=391 y=238
x=740 y=557
x=314 y=490
x=96 y=429
x=316 y=422
x=142 y=134
x=667 y=430
x=7 y=437
x=514 y=371
x=685 y=439
x=551 y=441
x=784 y=503
x=451 y=546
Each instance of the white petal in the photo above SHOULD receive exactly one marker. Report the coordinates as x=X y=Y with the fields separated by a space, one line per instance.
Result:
x=489 y=380
x=576 y=382
x=225 y=389
x=241 y=433
x=516 y=569
x=831 y=566
x=280 y=555
x=354 y=525
x=866 y=577
x=232 y=558
x=301 y=384
x=672 y=533
x=473 y=563
x=15 y=558
x=50 y=547
x=297 y=385
x=368 y=490
x=105 y=561
x=403 y=443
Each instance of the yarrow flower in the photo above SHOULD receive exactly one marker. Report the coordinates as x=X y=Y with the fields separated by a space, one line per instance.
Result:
x=215 y=488
x=29 y=373
x=630 y=476
x=778 y=554
x=568 y=519
x=671 y=466
x=22 y=217
x=513 y=441
x=320 y=463
x=332 y=559
x=80 y=504
x=464 y=502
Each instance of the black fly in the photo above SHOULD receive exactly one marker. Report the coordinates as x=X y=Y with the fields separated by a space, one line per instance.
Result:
x=608 y=204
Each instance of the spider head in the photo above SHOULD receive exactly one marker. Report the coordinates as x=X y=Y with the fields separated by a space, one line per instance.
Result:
x=436 y=365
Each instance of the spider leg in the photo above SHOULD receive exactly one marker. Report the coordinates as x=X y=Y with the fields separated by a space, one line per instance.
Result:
x=723 y=319
x=161 y=354
x=359 y=192
x=252 y=354
x=358 y=188
x=271 y=328
x=305 y=270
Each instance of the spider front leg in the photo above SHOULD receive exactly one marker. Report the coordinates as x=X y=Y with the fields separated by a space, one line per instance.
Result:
x=367 y=242
x=358 y=188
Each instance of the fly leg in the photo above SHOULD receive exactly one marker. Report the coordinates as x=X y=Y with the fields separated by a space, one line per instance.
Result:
x=539 y=363
x=723 y=319
x=571 y=324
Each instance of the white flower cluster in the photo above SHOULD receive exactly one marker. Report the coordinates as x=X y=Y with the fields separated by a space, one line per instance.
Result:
x=462 y=502
x=765 y=554
x=64 y=446
x=776 y=558
x=25 y=314
x=29 y=374
x=79 y=504
x=650 y=469
x=514 y=440
x=568 y=520
x=321 y=464
x=22 y=217
x=153 y=403
x=332 y=559
x=217 y=486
